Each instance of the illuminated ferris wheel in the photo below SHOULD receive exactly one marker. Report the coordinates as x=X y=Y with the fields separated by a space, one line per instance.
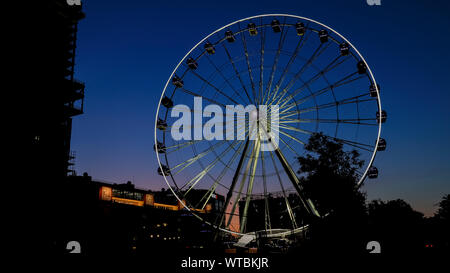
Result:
x=317 y=80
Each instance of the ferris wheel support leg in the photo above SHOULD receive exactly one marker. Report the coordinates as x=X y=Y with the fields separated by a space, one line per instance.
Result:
x=241 y=186
x=233 y=184
x=250 y=185
x=307 y=203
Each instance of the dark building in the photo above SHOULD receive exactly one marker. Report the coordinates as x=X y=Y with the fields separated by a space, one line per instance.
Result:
x=110 y=218
x=63 y=97
x=102 y=217
x=52 y=97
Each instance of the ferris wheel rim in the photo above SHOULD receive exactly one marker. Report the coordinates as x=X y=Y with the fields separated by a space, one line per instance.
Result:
x=363 y=176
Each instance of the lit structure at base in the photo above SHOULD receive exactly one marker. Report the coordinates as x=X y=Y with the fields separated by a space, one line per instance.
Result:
x=137 y=198
x=120 y=218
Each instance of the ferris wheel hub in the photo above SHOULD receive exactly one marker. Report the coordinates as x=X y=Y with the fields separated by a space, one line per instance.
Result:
x=254 y=114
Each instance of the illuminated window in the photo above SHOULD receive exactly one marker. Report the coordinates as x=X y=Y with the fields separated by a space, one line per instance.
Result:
x=105 y=193
x=149 y=199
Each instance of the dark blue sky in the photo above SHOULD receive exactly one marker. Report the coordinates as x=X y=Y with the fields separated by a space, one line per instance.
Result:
x=127 y=50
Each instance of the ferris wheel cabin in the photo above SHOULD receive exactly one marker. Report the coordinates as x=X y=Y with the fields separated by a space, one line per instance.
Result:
x=381 y=117
x=361 y=66
x=300 y=28
x=191 y=63
x=230 y=36
x=210 y=48
x=252 y=29
x=344 y=48
x=323 y=36
x=372 y=173
x=381 y=144
x=177 y=81
x=373 y=90
x=164 y=171
x=276 y=25
x=161 y=124
x=166 y=102
x=159 y=147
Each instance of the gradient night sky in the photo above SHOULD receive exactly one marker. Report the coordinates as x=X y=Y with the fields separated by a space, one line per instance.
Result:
x=127 y=50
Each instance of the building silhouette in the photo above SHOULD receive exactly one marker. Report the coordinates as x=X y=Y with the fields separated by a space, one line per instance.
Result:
x=111 y=218
x=53 y=96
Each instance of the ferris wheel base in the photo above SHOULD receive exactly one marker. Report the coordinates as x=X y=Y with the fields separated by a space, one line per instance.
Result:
x=273 y=233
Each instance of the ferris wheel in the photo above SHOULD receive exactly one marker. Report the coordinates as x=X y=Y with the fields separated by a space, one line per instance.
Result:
x=318 y=82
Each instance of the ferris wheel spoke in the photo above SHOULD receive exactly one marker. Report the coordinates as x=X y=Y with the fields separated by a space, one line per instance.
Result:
x=223 y=114
x=261 y=68
x=321 y=91
x=237 y=73
x=359 y=172
x=319 y=50
x=290 y=148
x=355 y=144
x=286 y=108
x=286 y=200
x=277 y=58
x=287 y=99
x=203 y=97
x=221 y=123
x=358 y=146
x=180 y=146
x=248 y=65
x=206 y=170
x=208 y=195
x=251 y=181
x=291 y=137
x=332 y=65
x=213 y=86
x=226 y=80
x=192 y=160
x=356 y=121
x=287 y=127
x=351 y=100
x=288 y=65
x=307 y=203
x=345 y=80
x=242 y=131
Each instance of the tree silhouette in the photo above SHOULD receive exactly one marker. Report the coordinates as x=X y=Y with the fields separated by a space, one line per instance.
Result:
x=443 y=212
x=441 y=224
x=398 y=227
x=329 y=176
